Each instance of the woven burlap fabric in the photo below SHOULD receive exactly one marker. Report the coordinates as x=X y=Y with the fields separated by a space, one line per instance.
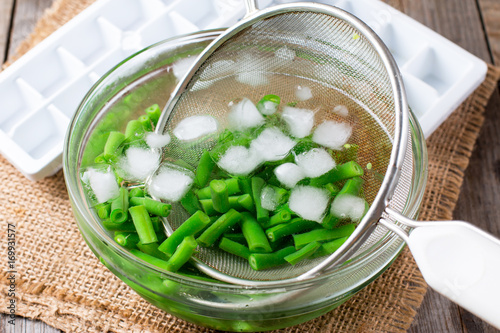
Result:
x=60 y=282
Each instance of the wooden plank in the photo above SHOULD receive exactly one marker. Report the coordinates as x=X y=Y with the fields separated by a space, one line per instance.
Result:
x=5 y=15
x=490 y=10
x=26 y=14
x=437 y=314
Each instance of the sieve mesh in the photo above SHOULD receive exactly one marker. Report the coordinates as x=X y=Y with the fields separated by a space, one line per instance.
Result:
x=340 y=66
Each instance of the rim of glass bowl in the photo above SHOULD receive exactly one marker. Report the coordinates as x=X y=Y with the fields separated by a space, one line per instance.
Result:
x=75 y=190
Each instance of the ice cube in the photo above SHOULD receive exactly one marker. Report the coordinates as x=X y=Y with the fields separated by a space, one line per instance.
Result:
x=285 y=53
x=272 y=144
x=348 y=206
x=289 y=174
x=181 y=67
x=239 y=160
x=155 y=140
x=309 y=202
x=244 y=115
x=299 y=121
x=332 y=134
x=170 y=183
x=102 y=183
x=195 y=127
x=268 y=108
x=139 y=163
x=268 y=198
x=253 y=79
x=341 y=110
x=303 y=93
x=315 y=162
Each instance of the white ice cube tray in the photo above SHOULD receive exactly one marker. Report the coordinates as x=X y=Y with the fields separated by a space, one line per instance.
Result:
x=40 y=92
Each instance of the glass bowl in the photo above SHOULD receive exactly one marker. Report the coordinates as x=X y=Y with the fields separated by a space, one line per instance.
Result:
x=142 y=80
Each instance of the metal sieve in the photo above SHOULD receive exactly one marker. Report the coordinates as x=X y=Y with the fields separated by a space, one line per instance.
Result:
x=344 y=62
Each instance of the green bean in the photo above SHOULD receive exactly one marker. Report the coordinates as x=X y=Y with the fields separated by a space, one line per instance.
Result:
x=246 y=201
x=257 y=186
x=190 y=203
x=208 y=206
x=152 y=206
x=235 y=248
x=115 y=139
x=282 y=195
x=330 y=247
x=295 y=226
x=216 y=229
x=220 y=196
x=143 y=224
x=352 y=186
x=136 y=192
x=127 y=239
x=153 y=113
x=246 y=185
x=232 y=184
x=236 y=237
x=279 y=217
x=333 y=189
x=103 y=210
x=163 y=264
x=254 y=234
x=119 y=207
x=126 y=226
x=152 y=250
x=133 y=130
x=260 y=261
x=182 y=254
x=303 y=253
x=146 y=123
x=344 y=171
x=193 y=225
x=204 y=169
x=322 y=235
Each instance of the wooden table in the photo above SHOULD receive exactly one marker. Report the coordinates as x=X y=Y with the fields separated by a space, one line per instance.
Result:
x=472 y=24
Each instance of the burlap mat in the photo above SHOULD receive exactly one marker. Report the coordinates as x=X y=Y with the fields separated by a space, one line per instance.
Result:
x=60 y=281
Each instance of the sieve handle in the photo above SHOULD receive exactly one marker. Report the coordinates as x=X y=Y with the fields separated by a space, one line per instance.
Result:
x=462 y=263
x=251 y=7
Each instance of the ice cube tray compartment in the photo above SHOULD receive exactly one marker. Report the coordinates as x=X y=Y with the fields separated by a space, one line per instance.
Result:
x=41 y=91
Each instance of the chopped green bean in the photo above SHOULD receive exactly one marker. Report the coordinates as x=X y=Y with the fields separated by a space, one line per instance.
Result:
x=260 y=261
x=152 y=250
x=182 y=254
x=220 y=196
x=246 y=185
x=193 y=225
x=279 y=217
x=153 y=113
x=126 y=226
x=103 y=210
x=190 y=203
x=301 y=240
x=143 y=224
x=133 y=130
x=344 y=171
x=127 y=239
x=257 y=186
x=330 y=247
x=254 y=234
x=146 y=123
x=236 y=237
x=119 y=207
x=150 y=259
x=204 y=169
x=246 y=201
x=303 y=253
x=136 y=192
x=152 y=206
x=295 y=226
x=208 y=206
x=235 y=248
x=216 y=229
x=115 y=139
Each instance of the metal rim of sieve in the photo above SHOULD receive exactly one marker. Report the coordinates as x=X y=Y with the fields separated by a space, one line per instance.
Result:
x=400 y=137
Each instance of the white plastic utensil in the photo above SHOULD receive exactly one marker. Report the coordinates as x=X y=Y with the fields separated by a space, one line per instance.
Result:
x=457 y=260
